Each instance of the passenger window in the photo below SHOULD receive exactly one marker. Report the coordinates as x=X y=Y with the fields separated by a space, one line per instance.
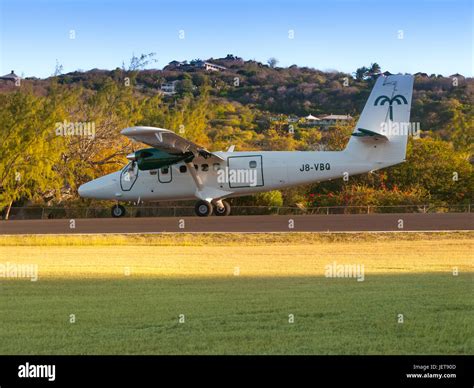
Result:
x=217 y=166
x=165 y=170
x=253 y=164
x=182 y=169
x=205 y=167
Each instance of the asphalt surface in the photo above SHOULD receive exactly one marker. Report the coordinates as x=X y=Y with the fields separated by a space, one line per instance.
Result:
x=313 y=223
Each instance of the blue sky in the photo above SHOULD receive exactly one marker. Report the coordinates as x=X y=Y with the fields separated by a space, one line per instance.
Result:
x=342 y=35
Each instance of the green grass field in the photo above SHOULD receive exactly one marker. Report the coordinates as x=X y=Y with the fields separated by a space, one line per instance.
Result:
x=236 y=293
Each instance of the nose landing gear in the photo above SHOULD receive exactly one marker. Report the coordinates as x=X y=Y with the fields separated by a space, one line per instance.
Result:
x=118 y=211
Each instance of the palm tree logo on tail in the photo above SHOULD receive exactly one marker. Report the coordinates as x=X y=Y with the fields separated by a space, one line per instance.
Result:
x=399 y=99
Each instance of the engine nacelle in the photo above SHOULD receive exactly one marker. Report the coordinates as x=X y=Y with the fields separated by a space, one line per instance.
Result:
x=153 y=159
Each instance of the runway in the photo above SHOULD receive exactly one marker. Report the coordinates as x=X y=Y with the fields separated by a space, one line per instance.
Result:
x=249 y=224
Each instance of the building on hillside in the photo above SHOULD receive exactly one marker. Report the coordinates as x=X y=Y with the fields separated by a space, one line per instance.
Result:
x=332 y=120
x=11 y=77
x=177 y=65
x=169 y=88
x=311 y=121
x=208 y=66
x=193 y=65
x=293 y=119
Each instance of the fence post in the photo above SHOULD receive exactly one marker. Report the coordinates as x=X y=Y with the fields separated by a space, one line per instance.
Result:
x=368 y=209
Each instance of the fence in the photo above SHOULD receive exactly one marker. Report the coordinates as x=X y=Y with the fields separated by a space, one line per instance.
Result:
x=25 y=213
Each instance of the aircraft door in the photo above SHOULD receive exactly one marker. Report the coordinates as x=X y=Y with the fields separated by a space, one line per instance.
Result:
x=245 y=171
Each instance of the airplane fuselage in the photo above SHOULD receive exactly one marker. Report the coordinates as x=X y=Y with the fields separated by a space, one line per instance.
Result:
x=238 y=174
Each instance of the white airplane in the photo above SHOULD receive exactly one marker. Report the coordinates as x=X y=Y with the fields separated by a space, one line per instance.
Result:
x=177 y=169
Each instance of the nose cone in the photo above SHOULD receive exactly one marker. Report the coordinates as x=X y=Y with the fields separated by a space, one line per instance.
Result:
x=101 y=188
x=86 y=190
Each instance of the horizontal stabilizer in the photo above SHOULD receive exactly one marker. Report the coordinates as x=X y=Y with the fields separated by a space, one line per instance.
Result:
x=369 y=134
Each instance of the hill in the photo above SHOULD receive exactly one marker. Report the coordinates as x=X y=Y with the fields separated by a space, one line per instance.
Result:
x=224 y=101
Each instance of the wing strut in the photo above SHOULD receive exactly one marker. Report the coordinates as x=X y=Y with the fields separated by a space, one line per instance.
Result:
x=196 y=178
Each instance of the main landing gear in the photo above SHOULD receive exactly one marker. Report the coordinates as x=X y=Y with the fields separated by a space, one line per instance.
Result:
x=205 y=208
x=202 y=209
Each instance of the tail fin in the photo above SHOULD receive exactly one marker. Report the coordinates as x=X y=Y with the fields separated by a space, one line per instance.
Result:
x=381 y=134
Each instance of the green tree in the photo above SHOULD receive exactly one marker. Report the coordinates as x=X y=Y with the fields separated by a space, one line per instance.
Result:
x=272 y=62
x=374 y=70
x=434 y=165
x=361 y=73
x=185 y=86
x=31 y=151
x=461 y=128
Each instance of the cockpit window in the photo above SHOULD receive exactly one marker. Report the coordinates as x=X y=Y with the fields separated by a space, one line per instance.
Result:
x=128 y=176
x=130 y=170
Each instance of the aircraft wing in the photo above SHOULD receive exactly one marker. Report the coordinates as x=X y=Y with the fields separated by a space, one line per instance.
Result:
x=167 y=141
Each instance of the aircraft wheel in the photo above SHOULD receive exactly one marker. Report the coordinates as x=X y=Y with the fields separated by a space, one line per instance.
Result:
x=118 y=211
x=203 y=209
x=222 y=211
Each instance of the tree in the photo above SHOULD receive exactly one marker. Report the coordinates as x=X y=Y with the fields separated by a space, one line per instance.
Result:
x=31 y=150
x=185 y=86
x=361 y=73
x=432 y=164
x=272 y=62
x=58 y=70
x=337 y=137
x=374 y=70
x=110 y=109
x=139 y=63
x=460 y=126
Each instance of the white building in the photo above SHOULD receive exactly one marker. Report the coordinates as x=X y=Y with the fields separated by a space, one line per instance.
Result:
x=169 y=88
x=310 y=117
x=208 y=66
x=310 y=121
x=213 y=67
x=331 y=120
